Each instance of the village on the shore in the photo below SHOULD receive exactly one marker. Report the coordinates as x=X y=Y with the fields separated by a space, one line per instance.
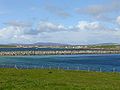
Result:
x=22 y=50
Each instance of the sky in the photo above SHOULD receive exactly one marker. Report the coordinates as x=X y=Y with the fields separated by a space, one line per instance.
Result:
x=60 y=21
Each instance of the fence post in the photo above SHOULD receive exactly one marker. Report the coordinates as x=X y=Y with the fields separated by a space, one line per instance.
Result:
x=58 y=68
x=49 y=67
x=15 y=66
x=26 y=67
x=113 y=69
x=67 y=68
x=78 y=68
x=34 y=67
x=88 y=69
x=42 y=67
x=3 y=66
x=100 y=70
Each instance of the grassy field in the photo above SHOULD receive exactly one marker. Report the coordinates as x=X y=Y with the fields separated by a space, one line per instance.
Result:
x=105 y=46
x=43 y=79
x=7 y=46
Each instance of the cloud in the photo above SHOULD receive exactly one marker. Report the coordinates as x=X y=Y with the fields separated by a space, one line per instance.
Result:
x=10 y=32
x=57 y=11
x=82 y=32
x=118 y=20
x=104 y=18
x=13 y=34
x=112 y=6
x=85 y=25
x=18 y=24
x=3 y=13
x=45 y=26
x=20 y=28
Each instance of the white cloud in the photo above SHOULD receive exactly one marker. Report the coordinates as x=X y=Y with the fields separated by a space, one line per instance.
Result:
x=22 y=32
x=112 y=6
x=118 y=20
x=44 y=26
x=82 y=32
x=16 y=28
x=10 y=32
x=57 y=11
x=18 y=24
x=85 y=25
x=101 y=12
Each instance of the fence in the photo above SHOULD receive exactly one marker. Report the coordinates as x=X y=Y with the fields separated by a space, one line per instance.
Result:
x=59 y=67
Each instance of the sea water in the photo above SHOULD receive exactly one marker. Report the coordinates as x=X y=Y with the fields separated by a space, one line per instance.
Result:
x=101 y=62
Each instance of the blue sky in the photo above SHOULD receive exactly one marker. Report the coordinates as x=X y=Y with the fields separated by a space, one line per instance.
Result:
x=61 y=21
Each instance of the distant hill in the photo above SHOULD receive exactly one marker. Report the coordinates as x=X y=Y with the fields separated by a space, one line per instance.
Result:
x=49 y=44
x=108 y=44
x=58 y=44
x=42 y=44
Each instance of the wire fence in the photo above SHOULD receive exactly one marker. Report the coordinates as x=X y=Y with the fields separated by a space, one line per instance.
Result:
x=61 y=67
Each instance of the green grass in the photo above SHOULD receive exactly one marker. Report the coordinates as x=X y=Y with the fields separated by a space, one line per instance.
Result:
x=7 y=46
x=43 y=79
x=105 y=46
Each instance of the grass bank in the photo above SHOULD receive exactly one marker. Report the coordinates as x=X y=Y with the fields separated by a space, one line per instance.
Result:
x=43 y=79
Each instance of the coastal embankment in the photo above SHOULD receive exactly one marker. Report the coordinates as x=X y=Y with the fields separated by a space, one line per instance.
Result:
x=63 y=52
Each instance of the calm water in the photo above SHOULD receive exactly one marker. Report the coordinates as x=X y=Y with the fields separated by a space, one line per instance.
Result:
x=36 y=49
x=74 y=62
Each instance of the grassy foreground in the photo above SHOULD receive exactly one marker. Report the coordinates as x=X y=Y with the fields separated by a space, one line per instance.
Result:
x=42 y=79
